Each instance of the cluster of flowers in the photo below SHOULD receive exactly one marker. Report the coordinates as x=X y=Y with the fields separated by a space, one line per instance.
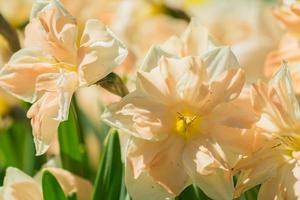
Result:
x=191 y=118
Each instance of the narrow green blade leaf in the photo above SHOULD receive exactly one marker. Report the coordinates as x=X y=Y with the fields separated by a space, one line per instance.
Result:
x=72 y=196
x=192 y=193
x=72 y=149
x=250 y=194
x=51 y=188
x=109 y=178
x=124 y=194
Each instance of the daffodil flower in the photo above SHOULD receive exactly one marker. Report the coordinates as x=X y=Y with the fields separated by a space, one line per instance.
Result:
x=290 y=17
x=19 y=186
x=185 y=122
x=276 y=165
x=289 y=49
x=55 y=62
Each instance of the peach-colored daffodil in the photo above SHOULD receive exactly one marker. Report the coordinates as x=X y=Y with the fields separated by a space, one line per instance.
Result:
x=184 y=120
x=276 y=165
x=55 y=62
x=289 y=49
x=19 y=186
x=289 y=16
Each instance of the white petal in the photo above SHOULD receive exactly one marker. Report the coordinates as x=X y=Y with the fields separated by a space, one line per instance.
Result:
x=100 y=51
x=144 y=187
x=152 y=58
x=20 y=74
x=20 y=186
x=219 y=60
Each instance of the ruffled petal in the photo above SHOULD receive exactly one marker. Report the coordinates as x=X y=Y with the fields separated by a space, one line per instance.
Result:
x=139 y=116
x=42 y=5
x=19 y=186
x=100 y=51
x=207 y=172
x=63 y=84
x=53 y=31
x=237 y=114
x=44 y=125
x=161 y=160
x=153 y=57
x=225 y=89
x=285 y=185
x=257 y=168
x=144 y=187
x=219 y=60
x=71 y=183
x=51 y=108
x=20 y=74
x=230 y=145
x=290 y=17
x=282 y=82
x=194 y=41
x=277 y=102
x=174 y=46
x=173 y=79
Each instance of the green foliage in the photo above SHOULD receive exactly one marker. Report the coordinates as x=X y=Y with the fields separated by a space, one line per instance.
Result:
x=51 y=188
x=192 y=193
x=72 y=196
x=250 y=194
x=72 y=147
x=108 y=184
x=17 y=149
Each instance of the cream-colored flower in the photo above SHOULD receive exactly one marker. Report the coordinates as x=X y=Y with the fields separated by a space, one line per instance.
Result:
x=288 y=49
x=185 y=120
x=248 y=26
x=52 y=66
x=19 y=186
x=142 y=19
x=276 y=165
x=290 y=17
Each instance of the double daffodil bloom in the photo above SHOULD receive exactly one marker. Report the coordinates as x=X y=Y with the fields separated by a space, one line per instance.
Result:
x=185 y=121
x=19 y=186
x=52 y=65
x=276 y=165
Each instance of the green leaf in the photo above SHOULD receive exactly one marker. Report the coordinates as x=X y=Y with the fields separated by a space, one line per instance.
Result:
x=51 y=188
x=250 y=194
x=192 y=193
x=114 y=84
x=109 y=177
x=72 y=149
x=72 y=196
x=17 y=148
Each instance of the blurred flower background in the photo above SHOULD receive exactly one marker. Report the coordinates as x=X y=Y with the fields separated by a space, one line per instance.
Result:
x=109 y=140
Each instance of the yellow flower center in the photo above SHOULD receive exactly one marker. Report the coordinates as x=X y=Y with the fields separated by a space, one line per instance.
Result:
x=187 y=124
x=291 y=143
x=60 y=65
x=66 y=66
